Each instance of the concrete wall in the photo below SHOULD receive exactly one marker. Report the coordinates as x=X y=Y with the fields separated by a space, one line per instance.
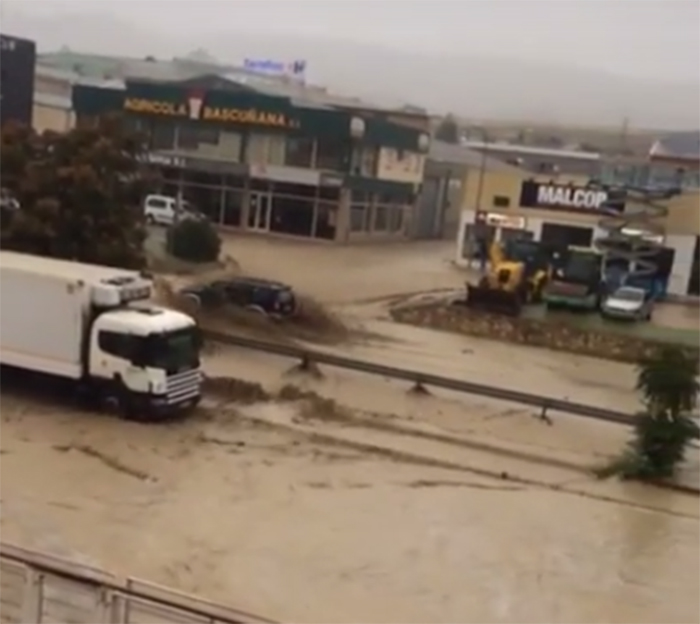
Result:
x=51 y=117
x=52 y=101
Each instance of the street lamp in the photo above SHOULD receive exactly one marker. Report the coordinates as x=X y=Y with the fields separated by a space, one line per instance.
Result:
x=482 y=166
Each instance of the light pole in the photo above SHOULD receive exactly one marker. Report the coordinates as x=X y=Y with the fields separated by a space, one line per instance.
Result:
x=482 y=166
x=480 y=233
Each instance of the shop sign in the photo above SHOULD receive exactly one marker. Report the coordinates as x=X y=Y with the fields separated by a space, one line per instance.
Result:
x=165 y=160
x=193 y=108
x=331 y=180
x=566 y=197
x=499 y=220
x=294 y=69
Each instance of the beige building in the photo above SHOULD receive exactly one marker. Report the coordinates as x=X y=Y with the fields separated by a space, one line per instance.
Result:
x=565 y=210
x=52 y=100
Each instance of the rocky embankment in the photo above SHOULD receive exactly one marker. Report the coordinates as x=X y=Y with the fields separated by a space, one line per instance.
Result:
x=537 y=333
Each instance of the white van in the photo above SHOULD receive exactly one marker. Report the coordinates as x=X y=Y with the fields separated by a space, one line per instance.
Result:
x=163 y=210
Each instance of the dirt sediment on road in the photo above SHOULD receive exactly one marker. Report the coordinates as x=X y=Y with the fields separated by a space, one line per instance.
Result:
x=531 y=332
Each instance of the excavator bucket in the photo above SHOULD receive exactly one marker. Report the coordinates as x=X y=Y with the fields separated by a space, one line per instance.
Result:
x=494 y=300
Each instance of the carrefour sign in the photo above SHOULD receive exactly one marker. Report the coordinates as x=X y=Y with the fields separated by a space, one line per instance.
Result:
x=293 y=69
x=568 y=197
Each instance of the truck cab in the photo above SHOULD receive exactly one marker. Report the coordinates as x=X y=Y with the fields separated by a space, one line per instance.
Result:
x=97 y=328
x=577 y=281
x=146 y=357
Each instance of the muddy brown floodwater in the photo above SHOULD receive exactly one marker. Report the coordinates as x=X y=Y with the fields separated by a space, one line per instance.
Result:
x=298 y=521
x=381 y=506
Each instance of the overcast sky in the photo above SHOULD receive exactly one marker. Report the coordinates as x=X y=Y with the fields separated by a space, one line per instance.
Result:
x=654 y=39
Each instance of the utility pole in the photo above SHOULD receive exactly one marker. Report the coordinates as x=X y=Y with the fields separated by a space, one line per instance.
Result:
x=482 y=168
x=623 y=135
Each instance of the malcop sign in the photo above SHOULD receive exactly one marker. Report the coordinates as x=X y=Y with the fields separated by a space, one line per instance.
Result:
x=567 y=197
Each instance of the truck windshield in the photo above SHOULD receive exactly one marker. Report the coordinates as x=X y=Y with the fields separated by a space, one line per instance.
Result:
x=518 y=250
x=174 y=351
x=581 y=267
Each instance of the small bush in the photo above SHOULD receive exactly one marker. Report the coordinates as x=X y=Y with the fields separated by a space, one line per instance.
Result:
x=194 y=241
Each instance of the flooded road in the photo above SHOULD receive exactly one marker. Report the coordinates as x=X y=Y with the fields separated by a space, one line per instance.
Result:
x=323 y=520
x=306 y=532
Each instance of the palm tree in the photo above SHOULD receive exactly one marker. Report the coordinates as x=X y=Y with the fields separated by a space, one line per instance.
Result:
x=668 y=381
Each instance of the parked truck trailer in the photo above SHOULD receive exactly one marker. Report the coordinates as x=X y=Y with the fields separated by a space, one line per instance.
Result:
x=95 y=327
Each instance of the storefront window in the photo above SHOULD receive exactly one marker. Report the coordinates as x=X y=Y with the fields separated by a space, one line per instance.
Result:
x=233 y=207
x=396 y=218
x=358 y=217
x=331 y=155
x=171 y=173
x=205 y=199
x=326 y=221
x=234 y=181
x=516 y=234
x=364 y=161
x=299 y=152
x=380 y=218
x=329 y=192
x=292 y=215
x=566 y=235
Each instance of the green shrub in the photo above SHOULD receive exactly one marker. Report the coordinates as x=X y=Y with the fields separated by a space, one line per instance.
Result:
x=667 y=381
x=194 y=241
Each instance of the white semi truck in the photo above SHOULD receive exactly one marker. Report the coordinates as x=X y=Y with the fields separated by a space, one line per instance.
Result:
x=93 y=325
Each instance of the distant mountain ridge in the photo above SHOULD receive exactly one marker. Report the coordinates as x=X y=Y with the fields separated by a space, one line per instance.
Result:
x=488 y=88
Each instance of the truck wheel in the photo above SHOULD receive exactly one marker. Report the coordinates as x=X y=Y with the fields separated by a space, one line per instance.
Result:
x=111 y=403
x=118 y=404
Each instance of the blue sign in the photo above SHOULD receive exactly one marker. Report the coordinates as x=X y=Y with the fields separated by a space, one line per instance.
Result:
x=295 y=69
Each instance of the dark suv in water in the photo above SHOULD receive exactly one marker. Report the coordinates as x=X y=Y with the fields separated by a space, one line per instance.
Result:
x=265 y=296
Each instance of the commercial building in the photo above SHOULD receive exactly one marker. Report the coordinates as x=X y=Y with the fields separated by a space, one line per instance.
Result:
x=567 y=210
x=17 y=61
x=301 y=164
x=53 y=106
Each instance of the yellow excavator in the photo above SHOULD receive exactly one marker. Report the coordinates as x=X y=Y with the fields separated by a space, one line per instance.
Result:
x=517 y=275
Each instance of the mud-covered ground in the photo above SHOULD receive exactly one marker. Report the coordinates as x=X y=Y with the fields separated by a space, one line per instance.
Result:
x=374 y=503
x=379 y=505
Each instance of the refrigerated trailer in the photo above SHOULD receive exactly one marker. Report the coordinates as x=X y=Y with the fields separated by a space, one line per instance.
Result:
x=94 y=325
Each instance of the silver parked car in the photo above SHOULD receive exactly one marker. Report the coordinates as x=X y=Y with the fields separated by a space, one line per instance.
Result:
x=628 y=303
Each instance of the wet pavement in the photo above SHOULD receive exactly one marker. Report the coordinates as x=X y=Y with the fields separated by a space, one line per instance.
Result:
x=297 y=520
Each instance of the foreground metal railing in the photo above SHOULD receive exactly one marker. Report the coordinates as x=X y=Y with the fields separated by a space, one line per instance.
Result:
x=37 y=587
x=308 y=357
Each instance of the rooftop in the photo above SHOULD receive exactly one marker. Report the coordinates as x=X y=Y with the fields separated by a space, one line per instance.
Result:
x=681 y=145
x=95 y=69
x=514 y=148
x=440 y=151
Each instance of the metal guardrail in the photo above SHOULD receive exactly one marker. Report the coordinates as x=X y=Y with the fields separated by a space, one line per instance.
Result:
x=421 y=379
x=37 y=587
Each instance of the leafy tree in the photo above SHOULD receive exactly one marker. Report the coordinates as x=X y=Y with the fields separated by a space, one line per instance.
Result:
x=669 y=387
x=448 y=130
x=79 y=193
x=194 y=240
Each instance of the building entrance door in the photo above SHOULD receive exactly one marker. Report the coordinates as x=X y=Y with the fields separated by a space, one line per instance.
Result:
x=260 y=211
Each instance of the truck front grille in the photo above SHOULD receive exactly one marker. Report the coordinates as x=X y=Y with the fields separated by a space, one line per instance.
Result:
x=182 y=387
